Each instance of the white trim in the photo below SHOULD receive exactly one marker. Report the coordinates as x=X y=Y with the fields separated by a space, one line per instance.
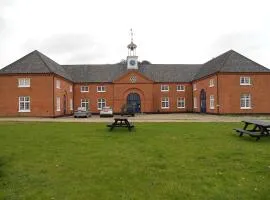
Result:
x=194 y=87
x=212 y=102
x=58 y=104
x=178 y=101
x=178 y=88
x=24 y=102
x=101 y=88
x=211 y=83
x=70 y=104
x=70 y=88
x=195 y=103
x=246 y=80
x=85 y=102
x=58 y=84
x=164 y=88
x=165 y=100
x=84 y=86
x=247 y=99
x=24 y=82
x=100 y=103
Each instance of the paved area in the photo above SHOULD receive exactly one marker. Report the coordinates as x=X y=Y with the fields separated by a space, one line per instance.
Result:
x=185 y=117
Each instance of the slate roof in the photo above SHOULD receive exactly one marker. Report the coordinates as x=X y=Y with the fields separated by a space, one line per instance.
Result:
x=229 y=61
x=95 y=73
x=170 y=73
x=35 y=62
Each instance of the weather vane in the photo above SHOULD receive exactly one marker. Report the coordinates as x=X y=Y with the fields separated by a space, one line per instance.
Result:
x=131 y=34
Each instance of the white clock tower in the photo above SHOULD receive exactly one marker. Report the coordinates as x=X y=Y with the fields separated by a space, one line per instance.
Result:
x=132 y=59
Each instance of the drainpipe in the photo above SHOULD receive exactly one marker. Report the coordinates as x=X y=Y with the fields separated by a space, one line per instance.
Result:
x=53 y=97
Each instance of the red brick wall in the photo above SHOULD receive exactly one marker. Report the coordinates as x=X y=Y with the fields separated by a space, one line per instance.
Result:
x=92 y=95
x=230 y=91
x=63 y=92
x=204 y=84
x=40 y=92
x=173 y=95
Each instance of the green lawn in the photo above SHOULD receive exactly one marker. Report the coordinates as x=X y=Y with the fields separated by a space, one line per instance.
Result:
x=155 y=161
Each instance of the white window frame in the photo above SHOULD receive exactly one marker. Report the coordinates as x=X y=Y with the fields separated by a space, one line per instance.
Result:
x=26 y=102
x=245 y=80
x=246 y=100
x=101 y=88
x=24 y=82
x=164 y=88
x=195 y=103
x=181 y=102
x=70 y=88
x=83 y=88
x=180 y=88
x=211 y=83
x=166 y=102
x=85 y=103
x=212 y=102
x=70 y=104
x=58 y=84
x=101 y=103
x=58 y=104
x=194 y=87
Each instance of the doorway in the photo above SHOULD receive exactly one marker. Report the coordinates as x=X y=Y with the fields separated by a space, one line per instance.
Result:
x=134 y=100
x=203 y=101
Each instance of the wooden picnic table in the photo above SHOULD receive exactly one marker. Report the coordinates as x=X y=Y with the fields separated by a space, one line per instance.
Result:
x=121 y=122
x=254 y=128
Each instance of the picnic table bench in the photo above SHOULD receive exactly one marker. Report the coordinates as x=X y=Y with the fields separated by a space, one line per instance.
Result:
x=257 y=128
x=121 y=122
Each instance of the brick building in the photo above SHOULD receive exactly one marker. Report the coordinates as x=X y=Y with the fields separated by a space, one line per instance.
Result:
x=35 y=85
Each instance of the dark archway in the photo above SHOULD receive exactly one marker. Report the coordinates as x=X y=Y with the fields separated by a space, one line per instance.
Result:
x=65 y=104
x=134 y=100
x=203 y=101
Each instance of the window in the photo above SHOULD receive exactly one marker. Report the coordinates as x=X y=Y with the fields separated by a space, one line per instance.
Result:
x=165 y=102
x=58 y=84
x=212 y=102
x=245 y=80
x=58 y=106
x=84 y=88
x=245 y=101
x=181 y=102
x=101 y=103
x=101 y=89
x=195 y=102
x=180 y=88
x=194 y=86
x=70 y=88
x=85 y=103
x=24 y=82
x=164 y=88
x=24 y=104
x=211 y=83
x=71 y=104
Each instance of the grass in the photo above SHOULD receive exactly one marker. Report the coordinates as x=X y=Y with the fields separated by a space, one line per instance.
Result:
x=156 y=161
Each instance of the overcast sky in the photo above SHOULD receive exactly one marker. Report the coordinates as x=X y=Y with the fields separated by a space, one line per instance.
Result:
x=165 y=31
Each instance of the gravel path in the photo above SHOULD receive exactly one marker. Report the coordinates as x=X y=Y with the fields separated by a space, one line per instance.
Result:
x=185 y=117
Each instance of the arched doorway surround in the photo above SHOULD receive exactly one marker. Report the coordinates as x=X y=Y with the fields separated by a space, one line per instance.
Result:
x=134 y=95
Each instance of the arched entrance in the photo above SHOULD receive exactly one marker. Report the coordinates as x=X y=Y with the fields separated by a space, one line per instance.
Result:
x=203 y=101
x=65 y=104
x=134 y=100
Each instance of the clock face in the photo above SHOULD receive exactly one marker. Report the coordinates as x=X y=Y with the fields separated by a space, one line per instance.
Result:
x=132 y=62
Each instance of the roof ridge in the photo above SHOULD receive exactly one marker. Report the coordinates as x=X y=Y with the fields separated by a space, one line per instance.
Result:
x=46 y=64
x=226 y=59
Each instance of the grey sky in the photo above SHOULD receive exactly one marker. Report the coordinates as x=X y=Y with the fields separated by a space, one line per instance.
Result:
x=167 y=31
